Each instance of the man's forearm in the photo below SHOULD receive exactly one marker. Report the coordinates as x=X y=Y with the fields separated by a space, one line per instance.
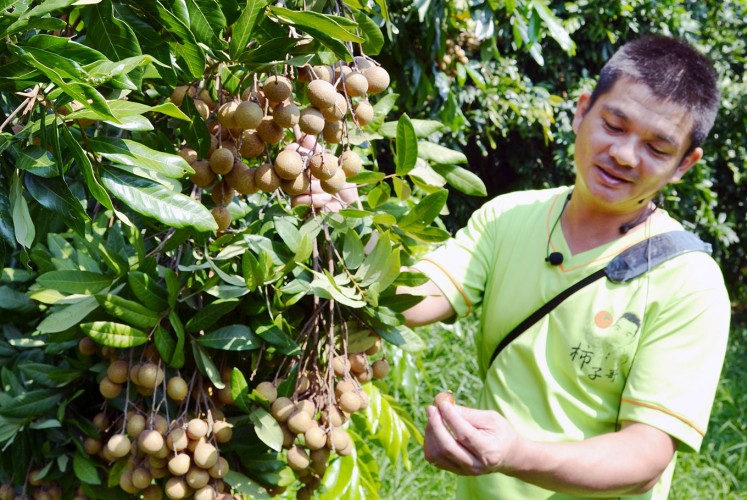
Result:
x=621 y=463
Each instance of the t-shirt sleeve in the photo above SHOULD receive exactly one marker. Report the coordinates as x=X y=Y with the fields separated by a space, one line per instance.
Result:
x=461 y=266
x=673 y=379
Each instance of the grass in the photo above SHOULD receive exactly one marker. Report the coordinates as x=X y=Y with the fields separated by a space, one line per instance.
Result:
x=718 y=472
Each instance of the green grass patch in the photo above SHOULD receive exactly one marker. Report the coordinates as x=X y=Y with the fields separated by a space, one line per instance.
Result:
x=718 y=472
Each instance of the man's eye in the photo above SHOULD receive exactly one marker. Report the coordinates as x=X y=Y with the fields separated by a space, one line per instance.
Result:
x=611 y=127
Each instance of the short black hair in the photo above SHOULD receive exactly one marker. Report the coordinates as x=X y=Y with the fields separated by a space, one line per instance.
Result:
x=674 y=71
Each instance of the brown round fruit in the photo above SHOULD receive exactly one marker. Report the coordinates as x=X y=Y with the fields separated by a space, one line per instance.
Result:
x=177 y=388
x=177 y=95
x=222 y=217
x=268 y=391
x=355 y=84
x=202 y=108
x=141 y=478
x=311 y=121
x=241 y=178
x=150 y=375
x=337 y=111
x=197 y=478
x=294 y=187
x=277 y=88
x=197 y=428
x=252 y=144
x=321 y=93
x=338 y=439
x=378 y=79
x=288 y=164
x=222 y=193
x=179 y=465
x=189 y=154
x=150 y=441
x=177 y=440
x=282 y=409
x=227 y=114
x=221 y=161
x=135 y=425
x=323 y=165
x=205 y=455
x=266 y=179
x=299 y=422
x=203 y=176
x=223 y=431
x=92 y=445
x=298 y=459
x=358 y=362
x=286 y=114
x=205 y=493
x=334 y=184
x=380 y=368
x=248 y=115
x=350 y=402
x=364 y=113
x=351 y=163
x=220 y=468
x=445 y=397
x=315 y=438
x=109 y=389
x=340 y=365
x=333 y=132
x=118 y=371
x=176 y=487
x=118 y=445
x=269 y=131
x=87 y=346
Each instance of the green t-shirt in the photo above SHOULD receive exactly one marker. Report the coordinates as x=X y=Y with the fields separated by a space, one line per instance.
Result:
x=649 y=350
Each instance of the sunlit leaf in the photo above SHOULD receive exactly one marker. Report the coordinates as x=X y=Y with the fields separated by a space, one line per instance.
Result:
x=112 y=334
x=74 y=281
x=407 y=145
x=230 y=338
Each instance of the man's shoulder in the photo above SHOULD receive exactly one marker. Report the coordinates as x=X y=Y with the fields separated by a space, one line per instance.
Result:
x=533 y=199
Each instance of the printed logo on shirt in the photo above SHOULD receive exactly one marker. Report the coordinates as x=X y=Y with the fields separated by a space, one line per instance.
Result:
x=608 y=350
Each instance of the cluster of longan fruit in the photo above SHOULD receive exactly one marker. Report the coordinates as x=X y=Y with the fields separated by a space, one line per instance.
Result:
x=312 y=419
x=177 y=457
x=246 y=154
x=40 y=489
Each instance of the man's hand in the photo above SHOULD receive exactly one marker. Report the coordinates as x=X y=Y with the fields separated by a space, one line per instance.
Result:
x=321 y=200
x=467 y=441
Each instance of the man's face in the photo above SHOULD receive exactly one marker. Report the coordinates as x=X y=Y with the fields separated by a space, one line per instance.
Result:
x=628 y=146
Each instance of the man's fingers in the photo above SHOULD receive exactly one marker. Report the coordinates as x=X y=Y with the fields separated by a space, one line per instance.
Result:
x=442 y=449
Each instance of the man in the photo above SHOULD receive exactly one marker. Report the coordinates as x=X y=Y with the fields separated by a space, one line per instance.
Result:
x=596 y=398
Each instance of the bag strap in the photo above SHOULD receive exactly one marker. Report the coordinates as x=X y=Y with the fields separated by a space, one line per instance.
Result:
x=629 y=264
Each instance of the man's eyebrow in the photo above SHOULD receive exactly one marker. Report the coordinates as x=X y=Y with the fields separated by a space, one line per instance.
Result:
x=621 y=114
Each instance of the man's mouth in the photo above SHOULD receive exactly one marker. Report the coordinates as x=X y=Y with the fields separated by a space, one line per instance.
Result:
x=609 y=176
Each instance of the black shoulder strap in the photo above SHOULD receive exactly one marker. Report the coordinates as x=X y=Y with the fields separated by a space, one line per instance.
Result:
x=629 y=264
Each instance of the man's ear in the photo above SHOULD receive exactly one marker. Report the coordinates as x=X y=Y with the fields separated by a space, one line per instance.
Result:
x=688 y=162
x=581 y=108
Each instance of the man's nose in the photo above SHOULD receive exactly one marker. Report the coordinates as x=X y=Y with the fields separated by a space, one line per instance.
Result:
x=625 y=151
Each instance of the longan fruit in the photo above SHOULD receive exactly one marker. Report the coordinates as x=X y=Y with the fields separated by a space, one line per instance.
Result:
x=141 y=478
x=365 y=376
x=118 y=371
x=225 y=396
x=344 y=386
x=203 y=176
x=351 y=163
x=323 y=73
x=205 y=455
x=332 y=132
x=269 y=131
x=311 y=121
x=252 y=144
x=350 y=402
x=220 y=468
x=319 y=456
x=150 y=375
x=222 y=217
x=221 y=161
x=341 y=72
x=189 y=154
x=337 y=111
x=160 y=423
x=315 y=438
x=338 y=439
x=340 y=365
x=153 y=492
x=109 y=389
x=333 y=416
x=378 y=79
x=361 y=62
x=332 y=185
x=227 y=114
x=205 y=96
x=380 y=368
x=202 y=108
x=268 y=391
x=197 y=428
x=358 y=362
x=248 y=115
x=223 y=431
x=176 y=487
x=321 y=93
x=205 y=493
x=87 y=346
x=266 y=179
x=286 y=114
x=135 y=425
x=177 y=440
x=364 y=113
x=288 y=164
x=298 y=185
x=241 y=178
x=222 y=193
x=125 y=482
x=150 y=441
x=177 y=388
x=177 y=95
x=323 y=165
x=298 y=459
x=277 y=88
x=179 y=465
x=118 y=445
x=282 y=409
x=444 y=397
x=355 y=84
x=307 y=406
x=299 y=422
x=92 y=445
x=197 y=478
x=101 y=421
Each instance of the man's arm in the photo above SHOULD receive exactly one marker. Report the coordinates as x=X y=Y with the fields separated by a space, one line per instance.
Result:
x=472 y=442
x=434 y=307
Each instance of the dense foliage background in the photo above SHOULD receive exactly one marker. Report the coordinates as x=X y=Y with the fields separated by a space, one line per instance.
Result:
x=483 y=87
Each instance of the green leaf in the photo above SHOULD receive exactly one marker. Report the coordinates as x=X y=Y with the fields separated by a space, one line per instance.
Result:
x=289 y=233
x=23 y=226
x=111 y=36
x=423 y=128
x=29 y=404
x=207 y=22
x=133 y=153
x=230 y=338
x=373 y=35
x=153 y=200
x=36 y=160
x=206 y=366
x=315 y=21
x=209 y=314
x=407 y=146
x=147 y=290
x=54 y=195
x=439 y=154
x=267 y=428
x=85 y=470
x=242 y=484
x=49 y=375
x=74 y=281
x=276 y=337
x=178 y=359
x=15 y=300
x=242 y=29
x=195 y=131
x=86 y=168
x=165 y=344
x=68 y=316
x=424 y=212
x=462 y=179
x=272 y=51
x=112 y=334
x=240 y=390
x=129 y=311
